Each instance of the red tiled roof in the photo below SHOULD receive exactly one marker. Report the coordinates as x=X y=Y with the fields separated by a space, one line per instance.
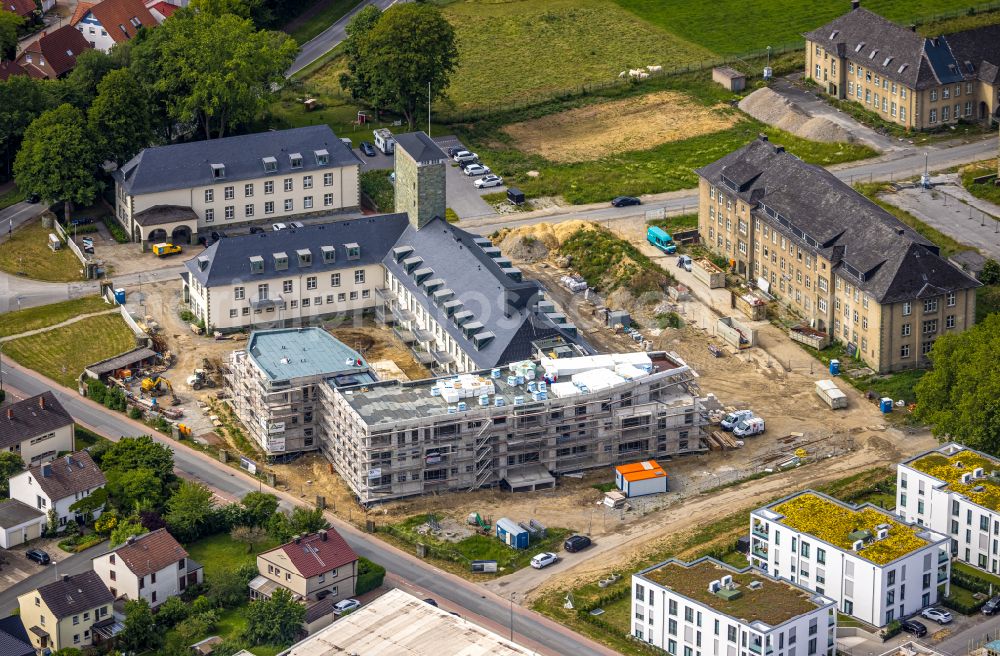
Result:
x=9 y=68
x=313 y=555
x=19 y=7
x=165 y=8
x=116 y=17
x=81 y=10
x=150 y=552
x=59 y=50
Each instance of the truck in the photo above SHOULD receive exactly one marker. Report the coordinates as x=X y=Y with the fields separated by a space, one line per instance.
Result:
x=831 y=394
x=384 y=140
x=165 y=248
x=661 y=239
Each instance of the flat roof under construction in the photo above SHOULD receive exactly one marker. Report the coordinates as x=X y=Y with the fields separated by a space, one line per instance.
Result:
x=285 y=354
x=399 y=624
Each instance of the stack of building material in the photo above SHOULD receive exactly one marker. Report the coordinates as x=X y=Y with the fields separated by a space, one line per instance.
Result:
x=463 y=387
x=597 y=380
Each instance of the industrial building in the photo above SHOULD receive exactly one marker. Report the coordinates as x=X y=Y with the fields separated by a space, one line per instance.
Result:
x=517 y=426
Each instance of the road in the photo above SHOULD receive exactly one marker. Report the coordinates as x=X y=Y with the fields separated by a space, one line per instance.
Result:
x=232 y=484
x=330 y=38
x=74 y=564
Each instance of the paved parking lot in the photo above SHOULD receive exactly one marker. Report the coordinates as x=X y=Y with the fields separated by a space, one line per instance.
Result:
x=15 y=567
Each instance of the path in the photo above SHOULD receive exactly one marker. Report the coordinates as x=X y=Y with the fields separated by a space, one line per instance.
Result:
x=46 y=329
x=331 y=37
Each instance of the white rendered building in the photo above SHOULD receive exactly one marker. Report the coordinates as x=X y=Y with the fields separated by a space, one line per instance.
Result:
x=59 y=484
x=153 y=566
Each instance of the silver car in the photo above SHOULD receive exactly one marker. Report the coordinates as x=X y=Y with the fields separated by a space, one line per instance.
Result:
x=476 y=169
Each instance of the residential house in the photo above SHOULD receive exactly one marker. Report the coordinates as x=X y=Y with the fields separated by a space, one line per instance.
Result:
x=843 y=264
x=105 y=23
x=9 y=69
x=59 y=484
x=37 y=428
x=876 y=567
x=709 y=607
x=74 y=611
x=24 y=8
x=14 y=640
x=54 y=54
x=176 y=192
x=953 y=490
x=19 y=523
x=311 y=567
x=904 y=77
x=153 y=566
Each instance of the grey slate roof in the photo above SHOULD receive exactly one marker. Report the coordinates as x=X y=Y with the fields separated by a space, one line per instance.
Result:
x=228 y=260
x=13 y=513
x=814 y=209
x=420 y=147
x=72 y=595
x=977 y=51
x=14 y=640
x=69 y=475
x=186 y=165
x=25 y=419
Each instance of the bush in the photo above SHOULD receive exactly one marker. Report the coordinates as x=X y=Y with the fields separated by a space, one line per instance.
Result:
x=961 y=606
x=969 y=582
x=96 y=390
x=135 y=413
x=172 y=611
x=370 y=576
x=891 y=629
x=376 y=185
x=116 y=230
x=187 y=316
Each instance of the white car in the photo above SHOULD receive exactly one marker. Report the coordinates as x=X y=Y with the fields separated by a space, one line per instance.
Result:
x=346 y=606
x=684 y=262
x=464 y=157
x=476 y=169
x=729 y=421
x=939 y=615
x=278 y=226
x=488 y=181
x=544 y=559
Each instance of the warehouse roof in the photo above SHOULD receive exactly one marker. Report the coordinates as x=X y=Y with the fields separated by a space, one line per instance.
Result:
x=32 y=416
x=288 y=353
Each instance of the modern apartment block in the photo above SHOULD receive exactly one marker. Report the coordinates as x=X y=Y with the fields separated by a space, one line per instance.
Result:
x=918 y=82
x=509 y=426
x=275 y=384
x=842 y=263
x=176 y=192
x=954 y=490
x=709 y=607
x=877 y=568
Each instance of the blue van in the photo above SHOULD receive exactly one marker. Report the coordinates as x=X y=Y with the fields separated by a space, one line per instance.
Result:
x=661 y=239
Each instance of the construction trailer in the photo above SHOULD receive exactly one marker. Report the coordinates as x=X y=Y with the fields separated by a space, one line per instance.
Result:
x=641 y=478
x=512 y=534
x=832 y=395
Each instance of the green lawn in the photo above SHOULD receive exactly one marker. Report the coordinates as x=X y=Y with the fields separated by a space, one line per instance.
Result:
x=11 y=197
x=674 y=224
x=318 y=17
x=220 y=553
x=965 y=568
x=988 y=190
x=27 y=252
x=13 y=323
x=61 y=354
x=84 y=438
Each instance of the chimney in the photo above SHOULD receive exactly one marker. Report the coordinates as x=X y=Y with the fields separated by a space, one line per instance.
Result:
x=298 y=539
x=855 y=4
x=65 y=578
x=41 y=402
x=322 y=535
x=130 y=540
x=47 y=469
x=10 y=413
x=762 y=136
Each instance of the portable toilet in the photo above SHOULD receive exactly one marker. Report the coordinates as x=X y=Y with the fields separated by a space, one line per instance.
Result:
x=511 y=534
x=640 y=478
x=834 y=367
x=885 y=405
x=120 y=296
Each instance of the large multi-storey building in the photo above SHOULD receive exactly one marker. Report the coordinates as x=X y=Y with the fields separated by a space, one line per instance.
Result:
x=176 y=192
x=954 y=490
x=918 y=82
x=709 y=607
x=875 y=567
x=835 y=258
x=390 y=440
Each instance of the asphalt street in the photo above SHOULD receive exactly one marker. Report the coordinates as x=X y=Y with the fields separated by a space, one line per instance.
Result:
x=231 y=484
x=331 y=37
x=74 y=564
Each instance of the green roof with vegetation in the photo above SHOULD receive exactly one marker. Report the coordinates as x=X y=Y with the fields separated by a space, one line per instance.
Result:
x=983 y=491
x=837 y=523
x=773 y=602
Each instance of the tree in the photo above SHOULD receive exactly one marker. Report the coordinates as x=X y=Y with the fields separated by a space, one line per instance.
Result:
x=107 y=522
x=171 y=611
x=960 y=396
x=120 y=117
x=249 y=535
x=92 y=65
x=304 y=520
x=10 y=464
x=274 y=621
x=260 y=506
x=278 y=527
x=57 y=159
x=410 y=47
x=140 y=633
x=51 y=522
x=140 y=452
x=9 y=25
x=125 y=529
x=135 y=489
x=990 y=275
x=91 y=503
x=22 y=100
x=356 y=79
x=189 y=510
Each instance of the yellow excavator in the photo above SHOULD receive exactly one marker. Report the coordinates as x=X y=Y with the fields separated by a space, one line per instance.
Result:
x=158 y=386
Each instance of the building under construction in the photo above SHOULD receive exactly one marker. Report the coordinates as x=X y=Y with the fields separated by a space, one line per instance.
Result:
x=516 y=427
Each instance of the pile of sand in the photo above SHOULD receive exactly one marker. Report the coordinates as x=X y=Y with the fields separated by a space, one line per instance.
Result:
x=533 y=243
x=774 y=109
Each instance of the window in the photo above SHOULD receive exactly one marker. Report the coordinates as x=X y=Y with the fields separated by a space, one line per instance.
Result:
x=248 y=190
x=945 y=113
x=327 y=179
x=359 y=276
x=904 y=351
x=926 y=347
x=230 y=212
x=307 y=182
x=366 y=293
x=289 y=204
x=262 y=292
x=209 y=195
x=933 y=95
x=288 y=184
x=335 y=280
x=949 y=321
x=307 y=202
x=229 y=192
x=933 y=118
x=233 y=313
x=930 y=305
x=327 y=200
x=286 y=287
x=269 y=207
x=930 y=326
x=905 y=331
x=311 y=282
x=209 y=215
x=269 y=187
x=951 y=297
x=907 y=308
x=354 y=296
x=902 y=110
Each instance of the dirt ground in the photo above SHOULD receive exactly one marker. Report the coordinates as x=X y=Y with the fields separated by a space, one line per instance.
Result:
x=639 y=123
x=378 y=343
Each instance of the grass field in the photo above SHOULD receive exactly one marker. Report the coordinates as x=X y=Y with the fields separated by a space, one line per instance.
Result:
x=988 y=190
x=61 y=354
x=21 y=321
x=317 y=18
x=27 y=252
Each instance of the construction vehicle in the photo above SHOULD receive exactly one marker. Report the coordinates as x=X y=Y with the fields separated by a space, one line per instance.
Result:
x=165 y=248
x=158 y=386
x=200 y=379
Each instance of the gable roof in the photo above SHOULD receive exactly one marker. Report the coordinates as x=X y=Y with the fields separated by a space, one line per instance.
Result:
x=814 y=209
x=977 y=51
x=20 y=7
x=72 y=595
x=59 y=49
x=69 y=475
x=186 y=165
x=420 y=147
x=30 y=417
x=150 y=552
x=317 y=553
x=10 y=68
x=164 y=9
x=82 y=9
x=14 y=640
x=121 y=18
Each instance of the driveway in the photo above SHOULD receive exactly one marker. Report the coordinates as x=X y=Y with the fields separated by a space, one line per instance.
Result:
x=331 y=37
x=463 y=197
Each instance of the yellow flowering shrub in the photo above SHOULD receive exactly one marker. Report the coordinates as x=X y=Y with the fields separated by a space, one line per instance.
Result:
x=945 y=468
x=833 y=523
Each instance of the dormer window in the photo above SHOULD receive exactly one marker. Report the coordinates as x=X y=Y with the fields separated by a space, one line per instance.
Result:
x=296 y=160
x=121 y=26
x=136 y=23
x=305 y=257
x=270 y=164
x=353 y=251
x=859 y=47
x=218 y=171
x=256 y=264
x=322 y=157
x=280 y=261
x=329 y=254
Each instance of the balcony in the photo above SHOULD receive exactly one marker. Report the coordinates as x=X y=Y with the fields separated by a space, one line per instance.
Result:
x=942 y=576
x=760 y=532
x=386 y=294
x=760 y=553
x=943 y=557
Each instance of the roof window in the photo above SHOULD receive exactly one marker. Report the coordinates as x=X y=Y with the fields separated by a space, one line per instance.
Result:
x=329 y=254
x=322 y=157
x=270 y=164
x=218 y=171
x=296 y=160
x=888 y=60
x=256 y=264
x=136 y=23
x=858 y=47
x=353 y=251
x=871 y=55
x=280 y=261
x=834 y=34
x=903 y=68
x=305 y=257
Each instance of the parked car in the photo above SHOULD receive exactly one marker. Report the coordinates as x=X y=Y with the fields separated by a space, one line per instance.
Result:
x=939 y=615
x=432 y=602
x=296 y=224
x=625 y=201
x=454 y=150
x=729 y=421
x=913 y=626
x=278 y=226
x=544 y=560
x=749 y=427
x=992 y=606
x=488 y=181
x=256 y=230
x=476 y=169
x=465 y=157
x=367 y=148
x=576 y=543
x=345 y=606
x=38 y=556
x=33 y=198
x=216 y=236
x=684 y=262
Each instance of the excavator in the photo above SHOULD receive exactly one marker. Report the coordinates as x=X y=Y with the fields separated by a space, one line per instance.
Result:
x=158 y=386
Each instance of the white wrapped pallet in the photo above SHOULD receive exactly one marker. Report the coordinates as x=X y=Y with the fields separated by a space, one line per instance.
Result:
x=564 y=390
x=628 y=372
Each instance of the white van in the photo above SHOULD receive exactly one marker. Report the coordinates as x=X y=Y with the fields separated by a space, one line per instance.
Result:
x=749 y=427
x=729 y=421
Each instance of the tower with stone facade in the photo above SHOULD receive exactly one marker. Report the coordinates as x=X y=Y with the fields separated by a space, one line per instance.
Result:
x=421 y=167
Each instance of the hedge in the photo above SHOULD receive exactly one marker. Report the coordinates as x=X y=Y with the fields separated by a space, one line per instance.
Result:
x=370 y=576
x=969 y=582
